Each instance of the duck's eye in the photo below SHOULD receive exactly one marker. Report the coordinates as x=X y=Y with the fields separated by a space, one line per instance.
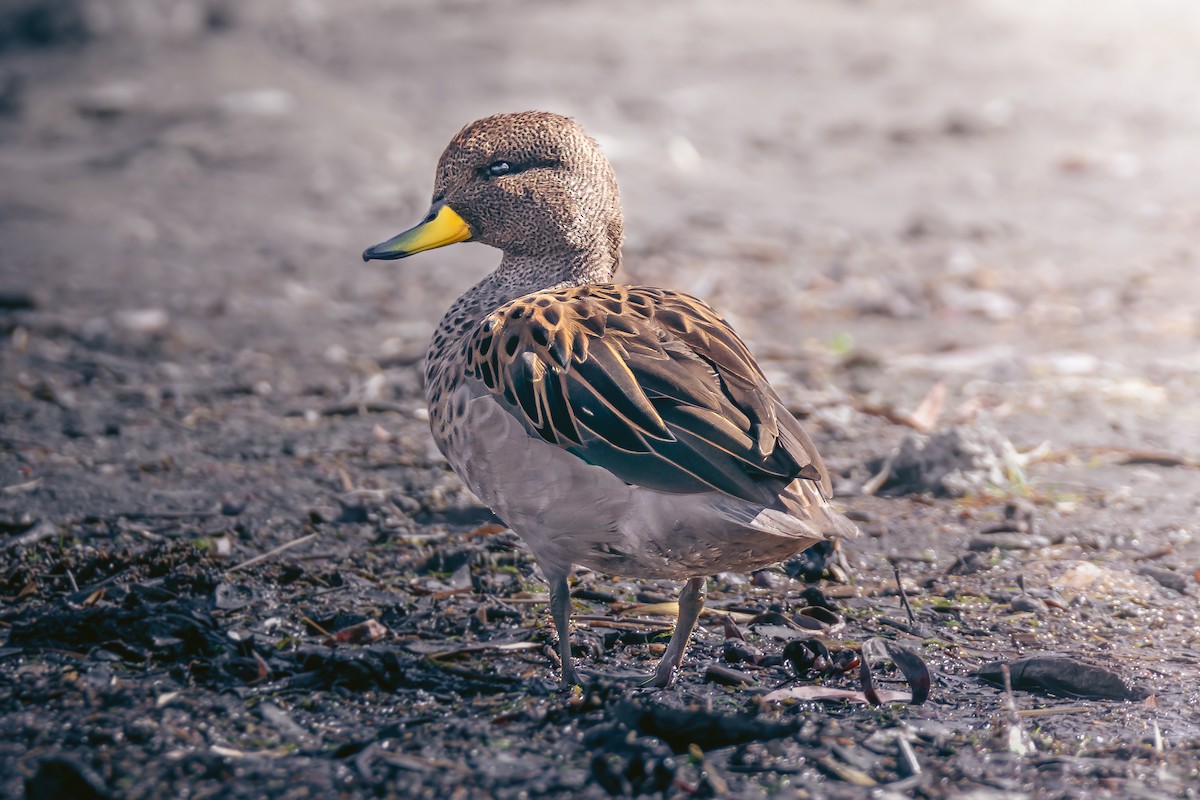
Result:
x=498 y=168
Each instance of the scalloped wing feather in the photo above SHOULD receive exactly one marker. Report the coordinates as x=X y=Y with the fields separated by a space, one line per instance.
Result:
x=650 y=384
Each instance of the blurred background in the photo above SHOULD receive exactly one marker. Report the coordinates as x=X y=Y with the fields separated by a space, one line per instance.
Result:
x=880 y=195
x=975 y=219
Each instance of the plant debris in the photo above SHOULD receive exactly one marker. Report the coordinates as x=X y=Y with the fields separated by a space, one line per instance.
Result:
x=1065 y=676
x=915 y=671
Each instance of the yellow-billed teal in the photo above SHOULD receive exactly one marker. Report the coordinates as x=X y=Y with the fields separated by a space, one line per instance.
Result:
x=623 y=428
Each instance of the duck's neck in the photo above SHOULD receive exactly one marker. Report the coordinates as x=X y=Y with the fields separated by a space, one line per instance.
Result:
x=519 y=275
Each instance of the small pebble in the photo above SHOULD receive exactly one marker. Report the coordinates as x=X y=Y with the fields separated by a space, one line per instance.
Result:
x=1007 y=541
x=142 y=320
x=1167 y=578
x=266 y=102
x=1021 y=515
x=1027 y=602
x=111 y=100
x=727 y=676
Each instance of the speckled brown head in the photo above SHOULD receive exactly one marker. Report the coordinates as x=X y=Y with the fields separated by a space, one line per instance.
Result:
x=532 y=184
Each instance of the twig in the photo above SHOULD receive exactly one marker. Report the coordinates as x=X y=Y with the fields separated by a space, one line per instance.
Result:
x=131 y=515
x=608 y=622
x=116 y=576
x=1026 y=713
x=330 y=590
x=354 y=409
x=271 y=553
x=27 y=486
x=876 y=483
x=1018 y=741
x=42 y=530
x=417 y=764
x=1158 y=460
x=149 y=535
x=909 y=755
x=474 y=675
x=845 y=772
x=912 y=620
x=22 y=442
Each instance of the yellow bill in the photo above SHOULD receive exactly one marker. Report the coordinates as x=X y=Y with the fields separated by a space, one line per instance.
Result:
x=442 y=226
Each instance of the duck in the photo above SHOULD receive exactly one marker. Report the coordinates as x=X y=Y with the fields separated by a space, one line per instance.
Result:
x=622 y=428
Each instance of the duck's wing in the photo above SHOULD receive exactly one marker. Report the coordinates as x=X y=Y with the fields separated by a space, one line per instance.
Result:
x=650 y=384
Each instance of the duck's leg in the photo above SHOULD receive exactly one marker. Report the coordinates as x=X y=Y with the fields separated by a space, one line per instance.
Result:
x=691 y=601
x=560 y=609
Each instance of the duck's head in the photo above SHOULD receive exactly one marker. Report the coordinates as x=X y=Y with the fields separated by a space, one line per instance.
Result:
x=532 y=184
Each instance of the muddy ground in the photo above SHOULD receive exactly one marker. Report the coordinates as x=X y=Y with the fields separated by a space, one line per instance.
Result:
x=976 y=220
